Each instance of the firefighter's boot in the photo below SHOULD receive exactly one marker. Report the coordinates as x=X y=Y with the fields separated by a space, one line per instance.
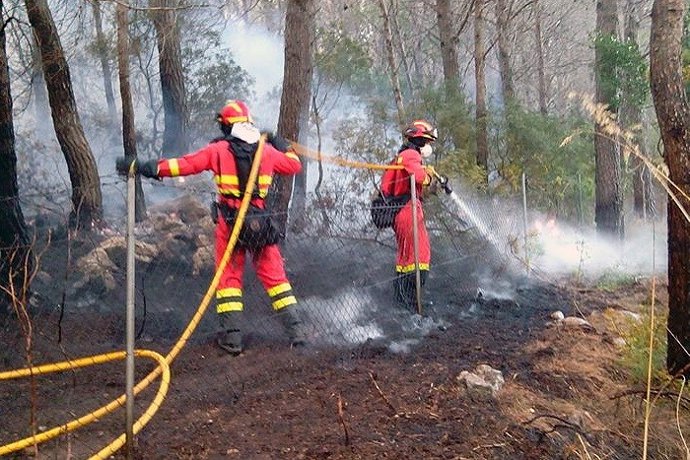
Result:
x=294 y=326
x=405 y=292
x=230 y=336
x=406 y=289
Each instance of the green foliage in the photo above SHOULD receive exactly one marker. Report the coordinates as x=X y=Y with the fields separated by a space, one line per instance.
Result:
x=212 y=76
x=635 y=353
x=557 y=159
x=622 y=72
x=613 y=280
x=342 y=60
x=454 y=152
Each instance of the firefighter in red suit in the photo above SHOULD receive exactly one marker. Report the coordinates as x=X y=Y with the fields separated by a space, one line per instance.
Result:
x=229 y=158
x=396 y=184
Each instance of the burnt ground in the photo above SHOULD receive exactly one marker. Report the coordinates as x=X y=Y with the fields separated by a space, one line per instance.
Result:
x=394 y=396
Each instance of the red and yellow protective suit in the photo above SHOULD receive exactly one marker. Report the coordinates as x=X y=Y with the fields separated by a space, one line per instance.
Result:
x=268 y=261
x=397 y=183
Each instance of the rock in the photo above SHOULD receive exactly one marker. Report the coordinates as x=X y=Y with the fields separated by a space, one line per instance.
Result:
x=188 y=209
x=484 y=382
x=573 y=322
x=557 y=315
x=617 y=341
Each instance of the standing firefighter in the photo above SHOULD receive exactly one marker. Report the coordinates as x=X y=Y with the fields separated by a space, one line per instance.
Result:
x=395 y=187
x=230 y=158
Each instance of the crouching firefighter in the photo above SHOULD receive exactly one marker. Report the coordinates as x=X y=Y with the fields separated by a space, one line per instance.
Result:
x=230 y=158
x=395 y=185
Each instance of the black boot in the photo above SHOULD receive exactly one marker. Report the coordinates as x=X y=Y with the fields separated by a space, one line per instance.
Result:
x=405 y=292
x=230 y=336
x=294 y=326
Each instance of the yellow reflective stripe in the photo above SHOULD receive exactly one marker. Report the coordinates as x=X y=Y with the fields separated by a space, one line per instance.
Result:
x=226 y=179
x=292 y=156
x=265 y=180
x=410 y=268
x=398 y=159
x=174 y=167
x=279 y=289
x=227 y=292
x=228 y=306
x=230 y=120
x=282 y=303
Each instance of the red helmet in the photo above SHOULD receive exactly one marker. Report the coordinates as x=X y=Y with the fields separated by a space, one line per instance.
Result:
x=234 y=112
x=421 y=128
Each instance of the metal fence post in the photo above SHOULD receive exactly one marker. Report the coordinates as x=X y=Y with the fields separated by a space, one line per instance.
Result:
x=129 y=407
x=415 y=240
x=524 y=218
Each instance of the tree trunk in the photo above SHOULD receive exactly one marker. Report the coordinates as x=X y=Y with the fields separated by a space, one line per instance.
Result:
x=480 y=81
x=172 y=79
x=128 y=133
x=87 y=206
x=390 y=54
x=401 y=47
x=449 y=50
x=102 y=51
x=294 y=101
x=673 y=114
x=38 y=87
x=609 y=191
x=631 y=116
x=541 y=72
x=14 y=241
x=505 y=69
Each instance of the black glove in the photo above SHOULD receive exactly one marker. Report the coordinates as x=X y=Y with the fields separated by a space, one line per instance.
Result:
x=278 y=141
x=443 y=182
x=145 y=168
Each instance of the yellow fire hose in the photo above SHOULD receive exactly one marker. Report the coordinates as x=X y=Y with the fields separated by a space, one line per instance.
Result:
x=163 y=362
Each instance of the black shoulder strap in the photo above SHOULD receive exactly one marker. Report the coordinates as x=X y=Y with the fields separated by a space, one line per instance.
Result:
x=243 y=153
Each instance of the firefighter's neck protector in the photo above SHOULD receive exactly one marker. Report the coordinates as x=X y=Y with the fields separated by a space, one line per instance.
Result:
x=246 y=132
x=426 y=150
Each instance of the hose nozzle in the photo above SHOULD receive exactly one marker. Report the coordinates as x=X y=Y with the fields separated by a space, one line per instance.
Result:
x=443 y=182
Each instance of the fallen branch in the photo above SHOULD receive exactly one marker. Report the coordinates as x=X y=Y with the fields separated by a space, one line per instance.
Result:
x=564 y=424
x=341 y=417
x=659 y=393
x=376 y=385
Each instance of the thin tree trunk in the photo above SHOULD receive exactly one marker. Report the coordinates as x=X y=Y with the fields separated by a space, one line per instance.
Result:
x=14 y=240
x=172 y=79
x=480 y=81
x=448 y=44
x=102 y=51
x=401 y=48
x=38 y=87
x=505 y=69
x=128 y=133
x=87 y=207
x=673 y=114
x=609 y=190
x=541 y=72
x=631 y=115
x=294 y=101
x=390 y=54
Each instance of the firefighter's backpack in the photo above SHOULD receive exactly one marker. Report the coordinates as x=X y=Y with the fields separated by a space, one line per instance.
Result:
x=385 y=208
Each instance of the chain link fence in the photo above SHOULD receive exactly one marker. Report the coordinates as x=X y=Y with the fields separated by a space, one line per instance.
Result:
x=340 y=266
